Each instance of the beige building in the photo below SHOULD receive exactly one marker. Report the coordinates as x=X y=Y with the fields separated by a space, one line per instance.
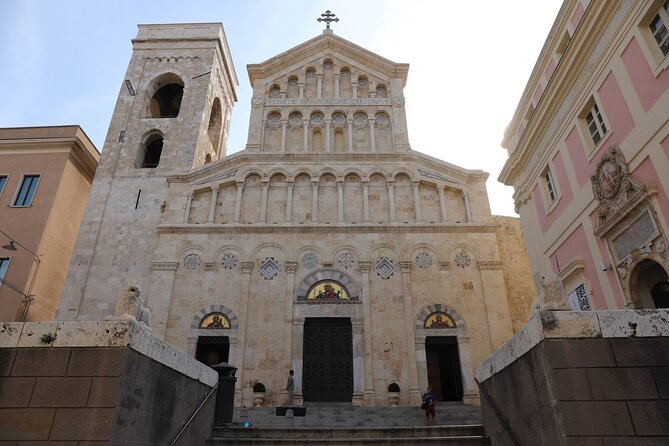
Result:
x=45 y=177
x=588 y=154
x=327 y=246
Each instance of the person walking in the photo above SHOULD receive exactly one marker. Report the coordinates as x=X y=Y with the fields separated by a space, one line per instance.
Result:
x=429 y=402
x=290 y=387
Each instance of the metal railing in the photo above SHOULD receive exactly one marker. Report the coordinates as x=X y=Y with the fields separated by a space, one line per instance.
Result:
x=505 y=425
x=192 y=417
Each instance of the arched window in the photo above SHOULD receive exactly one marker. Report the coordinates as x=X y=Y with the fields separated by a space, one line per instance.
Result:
x=214 y=128
x=381 y=91
x=150 y=151
x=166 y=97
x=207 y=158
x=293 y=90
x=275 y=91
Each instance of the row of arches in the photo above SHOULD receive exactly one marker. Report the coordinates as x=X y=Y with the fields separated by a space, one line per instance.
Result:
x=328 y=80
x=327 y=200
x=336 y=131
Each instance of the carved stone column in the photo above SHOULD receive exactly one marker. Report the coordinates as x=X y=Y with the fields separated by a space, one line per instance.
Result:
x=314 y=201
x=369 y=395
x=391 y=201
x=365 y=201
x=414 y=390
x=263 y=204
x=305 y=136
x=284 y=124
x=289 y=202
x=189 y=203
x=262 y=135
x=298 y=358
x=319 y=85
x=349 y=134
x=238 y=201
x=336 y=85
x=162 y=280
x=340 y=201
x=212 y=204
x=247 y=269
x=301 y=87
x=354 y=87
x=291 y=268
x=468 y=209
x=416 y=200
x=328 y=136
x=372 y=136
x=442 y=203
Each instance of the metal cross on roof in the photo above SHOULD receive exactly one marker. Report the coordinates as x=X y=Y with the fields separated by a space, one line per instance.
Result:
x=327 y=17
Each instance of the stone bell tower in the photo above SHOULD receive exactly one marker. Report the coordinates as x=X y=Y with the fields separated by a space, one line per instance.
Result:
x=172 y=115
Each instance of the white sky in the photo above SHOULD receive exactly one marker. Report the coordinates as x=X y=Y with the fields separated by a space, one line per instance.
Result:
x=63 y=62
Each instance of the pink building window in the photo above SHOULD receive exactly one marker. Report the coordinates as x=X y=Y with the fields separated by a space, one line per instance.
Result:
x=549 y=183
x=596 y=124
x=658 y=26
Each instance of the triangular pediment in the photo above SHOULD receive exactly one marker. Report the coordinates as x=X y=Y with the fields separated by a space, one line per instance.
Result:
x=334 y=45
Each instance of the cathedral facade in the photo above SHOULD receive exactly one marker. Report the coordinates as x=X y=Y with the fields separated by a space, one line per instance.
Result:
x=326 y=246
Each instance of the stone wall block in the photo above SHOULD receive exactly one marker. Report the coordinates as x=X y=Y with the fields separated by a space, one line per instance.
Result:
x=96 y=361
x=60 y=392
x=82 y=424
x=25 y=424
x=104 y=392
x=41 y=362
x=571 y=384
x=622 y=383
x=10 y=333
x=31 y=335
x=7 y=356
x=15 y=391
x=630 y=352
x=594 y=418
x=566 y=353
x=661 y=375
x=650 y=417
x=634 y=323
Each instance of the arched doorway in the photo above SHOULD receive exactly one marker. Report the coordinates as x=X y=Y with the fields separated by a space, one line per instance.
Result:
x=650 y=285
x=443 y=354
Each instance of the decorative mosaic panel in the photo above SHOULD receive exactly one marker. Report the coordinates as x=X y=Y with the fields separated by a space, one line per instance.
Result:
x=229 y=260
x=423 y=260
x=385 y=268
x=215 y=320
x=346 y=261
x=310 y=260
x=462 y=260
x=192 y=261
x=269 y=268
x=439 y=319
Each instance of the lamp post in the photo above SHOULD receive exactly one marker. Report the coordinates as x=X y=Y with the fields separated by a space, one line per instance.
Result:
x=28 y=297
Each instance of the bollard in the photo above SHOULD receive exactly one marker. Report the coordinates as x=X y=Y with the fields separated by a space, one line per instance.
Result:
x=225 y=397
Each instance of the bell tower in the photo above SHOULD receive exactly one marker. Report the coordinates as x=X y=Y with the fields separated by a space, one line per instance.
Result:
x=172 y=115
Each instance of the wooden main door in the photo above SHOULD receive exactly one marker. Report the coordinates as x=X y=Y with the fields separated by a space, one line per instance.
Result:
x=328 y=360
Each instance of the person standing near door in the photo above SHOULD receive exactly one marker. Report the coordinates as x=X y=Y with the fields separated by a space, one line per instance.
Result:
x=429 y=402
x=290 y=387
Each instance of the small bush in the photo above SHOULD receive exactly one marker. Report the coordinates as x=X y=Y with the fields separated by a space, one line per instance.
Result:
x=259 y=388
x=393 y=387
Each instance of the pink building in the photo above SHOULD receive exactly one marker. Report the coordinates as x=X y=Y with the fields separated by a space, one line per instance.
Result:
x=588 y=154
x=45 y=177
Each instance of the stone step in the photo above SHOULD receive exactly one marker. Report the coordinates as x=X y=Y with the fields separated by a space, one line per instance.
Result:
x=358 y=433
x=471 y=435
x=450 y=414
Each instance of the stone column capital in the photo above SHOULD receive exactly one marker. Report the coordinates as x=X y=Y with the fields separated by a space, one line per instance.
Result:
x=365 y=266
x=405 y=266
x=247 y=267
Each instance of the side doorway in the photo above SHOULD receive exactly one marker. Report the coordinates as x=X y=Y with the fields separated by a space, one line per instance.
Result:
x=443 y=367
x=212 y=350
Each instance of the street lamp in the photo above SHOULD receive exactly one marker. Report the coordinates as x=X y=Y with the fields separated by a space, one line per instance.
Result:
x=28 y=298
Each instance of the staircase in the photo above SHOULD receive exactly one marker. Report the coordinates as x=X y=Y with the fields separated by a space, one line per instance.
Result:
x=457 y=424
